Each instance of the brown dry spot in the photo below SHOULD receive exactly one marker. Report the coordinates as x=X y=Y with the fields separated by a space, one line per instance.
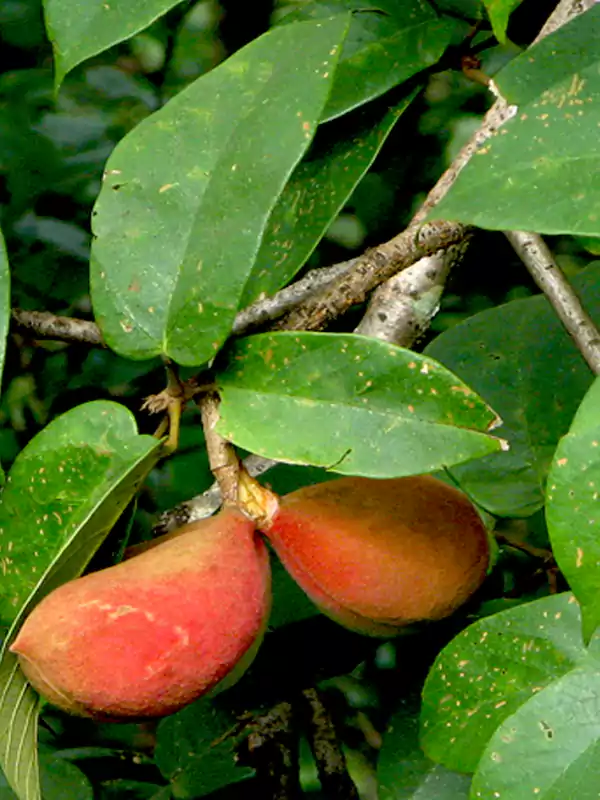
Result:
x=134 y=286
x=464 y=389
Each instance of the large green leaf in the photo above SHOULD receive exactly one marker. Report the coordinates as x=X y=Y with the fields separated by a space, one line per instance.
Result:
x=322 y=182
x=355 y=405
x=489 y=670
x=64 y=493
x=195 y=750
x=79 y=29
x=550 y=748
x=539 y=173
x=188 y=194
x=388 y=43
x=573 y=507
x=519 y=358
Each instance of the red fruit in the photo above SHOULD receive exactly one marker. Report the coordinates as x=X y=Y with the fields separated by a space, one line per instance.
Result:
x=152 y=634
x=376 y=555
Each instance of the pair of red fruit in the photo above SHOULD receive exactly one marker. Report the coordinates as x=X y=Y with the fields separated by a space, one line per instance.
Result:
x=150 y=635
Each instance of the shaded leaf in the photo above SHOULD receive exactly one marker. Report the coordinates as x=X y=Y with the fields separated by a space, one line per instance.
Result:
x=79 y=29
x=355 y=405
x=388 y=43
x=64 y=492
x=318 y=189
x=573 y=507
x=550 y=748
x=550 y=149
x=520 y=360
x=405 y=773
x=195 y=750
x=491 y=669
x=188 y=194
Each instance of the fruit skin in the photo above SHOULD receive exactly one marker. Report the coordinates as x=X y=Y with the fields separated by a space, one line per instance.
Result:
x=150 y=635
x=378 y=555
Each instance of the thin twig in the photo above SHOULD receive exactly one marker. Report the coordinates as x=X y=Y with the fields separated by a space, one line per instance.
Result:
x=271 y=748
x=372 y=268
x=271 y=308
x=329 y=756
x=222 y=457
x=538 y=259
x=45 y=325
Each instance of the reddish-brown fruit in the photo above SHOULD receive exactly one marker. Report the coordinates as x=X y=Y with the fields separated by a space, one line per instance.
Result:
x=377 y=555
x=152 y=634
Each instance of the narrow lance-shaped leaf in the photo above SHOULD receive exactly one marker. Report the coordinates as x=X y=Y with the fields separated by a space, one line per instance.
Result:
x=573 y=507
x=64 y=493
x=322 y=182
x=355 y=405
x=188 y=194
x=539 y=171
x=489 y=670
x=79 y=29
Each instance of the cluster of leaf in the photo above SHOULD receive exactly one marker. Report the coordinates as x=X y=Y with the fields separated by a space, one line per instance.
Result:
x=222 y=195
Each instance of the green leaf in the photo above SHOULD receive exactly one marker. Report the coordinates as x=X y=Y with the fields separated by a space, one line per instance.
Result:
x=318 y=189
x=4 y=300
x=188 y=194
x=64 y=493
x=499 y=11
x=539 y=172
x=59 y=780
x=405 y=773
x=388 y=43
x=195 y=750
x=19 y=708
x=79 y=29
x=550 y=748
x=519 y=358
x=489 y=670
x=573 y=507
x=355 y=405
